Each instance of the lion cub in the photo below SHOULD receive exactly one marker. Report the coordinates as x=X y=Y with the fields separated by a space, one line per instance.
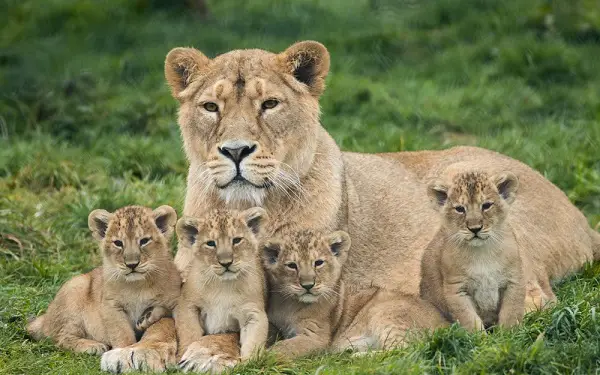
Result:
x=225 y=288
x=136 y=286
x=304 y=269
x=471 y=270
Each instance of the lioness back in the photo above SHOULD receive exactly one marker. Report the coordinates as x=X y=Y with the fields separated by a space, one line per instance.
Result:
x=137 y=284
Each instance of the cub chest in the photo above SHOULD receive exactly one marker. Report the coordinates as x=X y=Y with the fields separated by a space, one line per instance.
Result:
x=219 y=313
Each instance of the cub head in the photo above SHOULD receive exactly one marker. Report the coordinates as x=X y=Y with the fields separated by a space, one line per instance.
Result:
x=134 y=239
x=249 y=118
x=224 y=242
x=475 y=205
x=306 y=265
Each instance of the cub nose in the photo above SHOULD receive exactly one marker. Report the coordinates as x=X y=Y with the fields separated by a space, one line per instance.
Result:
x=132 y=265
x=308 y=286
x=237 y=154
x=226 y=264
x=476 y=229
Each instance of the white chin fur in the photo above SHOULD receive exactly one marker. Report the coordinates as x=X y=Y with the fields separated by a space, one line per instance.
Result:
x=243 y=194
x=136 y=276
x=229 y=275
x=308 y=298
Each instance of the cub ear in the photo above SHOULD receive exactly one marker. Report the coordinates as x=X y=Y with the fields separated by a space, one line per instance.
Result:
x=308 y=62
x=438 y=193
x=187 y=230
x=507 y=184
x=271 y=252
x=98 y=223
x=255 y=218
x=165 y=218
x=181 y=65
x=339 y=242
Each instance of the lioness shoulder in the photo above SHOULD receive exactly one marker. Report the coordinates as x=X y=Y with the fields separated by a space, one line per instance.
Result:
x=137 y=284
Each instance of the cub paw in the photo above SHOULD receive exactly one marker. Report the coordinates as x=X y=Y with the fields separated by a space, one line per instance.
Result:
x=145 y=320
x=198 y=358
x=96 y=348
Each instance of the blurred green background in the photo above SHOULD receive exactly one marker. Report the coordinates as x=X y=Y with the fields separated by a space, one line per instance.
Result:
x=87 y=121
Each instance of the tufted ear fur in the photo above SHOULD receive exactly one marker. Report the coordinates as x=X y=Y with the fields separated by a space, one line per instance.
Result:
x=255 y=218
x=165 y=218
x=308 y=62
x=187 y=231
x=507 y=184
x=438 y=194
x=98 y=223
x=271 y=252
x=181 y=65
x=339 y=243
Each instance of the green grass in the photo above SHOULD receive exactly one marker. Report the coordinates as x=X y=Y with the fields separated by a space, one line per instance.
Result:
x=86 y=121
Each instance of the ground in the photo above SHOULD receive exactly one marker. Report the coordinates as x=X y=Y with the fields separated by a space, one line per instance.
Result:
x=87 y=121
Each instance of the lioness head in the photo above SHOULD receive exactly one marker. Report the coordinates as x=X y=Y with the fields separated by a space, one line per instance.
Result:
x=249 y=118
x=134 y=239
x=224 y=241
x=306 y=265
x=475 y=205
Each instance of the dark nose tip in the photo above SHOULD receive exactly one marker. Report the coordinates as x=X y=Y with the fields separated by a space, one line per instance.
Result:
x=132 y=265
x=475 y=230
x=237 y=154
x=225 y=264
x=308 y=286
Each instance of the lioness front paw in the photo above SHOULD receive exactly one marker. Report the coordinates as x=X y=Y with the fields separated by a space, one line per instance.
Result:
x=129 y=359
x=198 y=358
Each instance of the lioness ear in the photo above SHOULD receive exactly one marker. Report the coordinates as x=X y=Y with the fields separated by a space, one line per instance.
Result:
x=438 y=194
x=308 y=62
x=181 y=65
x=255 y=218
x=507 y=184
x=98 y=223
x=271 y=252
x=165 y=218
x=339 y=242
x=187 y=230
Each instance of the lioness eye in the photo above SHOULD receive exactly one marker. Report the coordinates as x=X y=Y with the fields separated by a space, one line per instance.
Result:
x=118 y=243
x=237 y=240
x=460 y=209
x=486 y=206
x=292 y=265
x=211 y=107
x=268 y=104
x=319 y=263
x=144 y=241
x=211 y=243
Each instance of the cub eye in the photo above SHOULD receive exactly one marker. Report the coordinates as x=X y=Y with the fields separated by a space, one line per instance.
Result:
x=211 y=107
x=270 y=103
x=144 y=241
x=319 y=263
x=292 y=265
x=486 y=206
x=460 y=209
x=237 y=240
x=118 y=243
x=211 y=243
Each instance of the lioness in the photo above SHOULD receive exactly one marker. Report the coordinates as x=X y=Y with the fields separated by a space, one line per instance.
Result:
x=225 y=289
x=249 y=120
x=472 y=267
x=136 y=286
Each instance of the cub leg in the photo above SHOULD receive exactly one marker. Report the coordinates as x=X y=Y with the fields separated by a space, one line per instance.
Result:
x=511 y=306
x=254 y=329
x=187 y=321
x=460 y=306
x=311 y=336
x=81 y=345
x=118 y=328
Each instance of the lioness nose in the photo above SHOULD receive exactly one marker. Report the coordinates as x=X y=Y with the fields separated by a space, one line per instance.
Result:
x=237 y=154
x=308 y=286
x=132 y=265
x=225 y=264
x=476 y=229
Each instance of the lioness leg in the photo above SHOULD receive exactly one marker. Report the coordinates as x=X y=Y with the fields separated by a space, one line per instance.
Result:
x=154 y=352
x=212 y=353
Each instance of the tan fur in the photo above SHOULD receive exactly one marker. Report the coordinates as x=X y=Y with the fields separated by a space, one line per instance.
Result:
x=225 y=289
x=303 y=180
x=472 y=268
x=104 y=308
